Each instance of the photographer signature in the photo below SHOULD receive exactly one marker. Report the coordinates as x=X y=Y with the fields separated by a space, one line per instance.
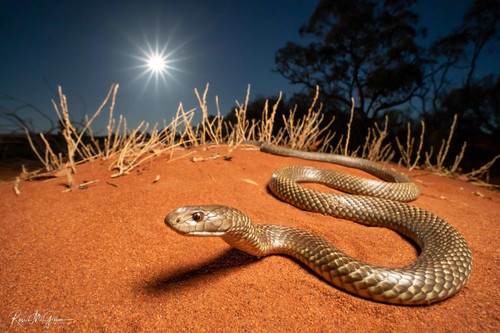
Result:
x=46 y=319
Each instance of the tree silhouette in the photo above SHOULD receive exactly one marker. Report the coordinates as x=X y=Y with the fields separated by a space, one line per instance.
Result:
x=359 y=48
x=461 y=49
x=476 y=100
x=480 y=25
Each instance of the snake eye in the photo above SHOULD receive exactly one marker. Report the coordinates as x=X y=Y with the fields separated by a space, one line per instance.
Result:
x=198 y=216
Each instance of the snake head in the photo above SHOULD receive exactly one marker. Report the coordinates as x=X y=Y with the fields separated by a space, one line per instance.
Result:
x=209 y=220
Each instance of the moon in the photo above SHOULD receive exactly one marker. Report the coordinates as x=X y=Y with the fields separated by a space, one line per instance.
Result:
x=156 y=63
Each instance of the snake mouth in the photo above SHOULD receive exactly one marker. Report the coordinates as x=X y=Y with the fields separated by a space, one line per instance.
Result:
x=184 y=230
x=205 y=233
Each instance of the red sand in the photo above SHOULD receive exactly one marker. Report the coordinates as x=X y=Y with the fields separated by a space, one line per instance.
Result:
x=103 y=257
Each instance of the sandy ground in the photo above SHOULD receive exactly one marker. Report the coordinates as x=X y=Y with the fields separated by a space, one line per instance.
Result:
x=101 y=258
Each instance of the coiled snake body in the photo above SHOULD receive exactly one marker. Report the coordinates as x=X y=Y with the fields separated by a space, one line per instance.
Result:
x=441 y=269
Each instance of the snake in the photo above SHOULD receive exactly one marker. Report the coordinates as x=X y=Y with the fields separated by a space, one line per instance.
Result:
x=441 y=269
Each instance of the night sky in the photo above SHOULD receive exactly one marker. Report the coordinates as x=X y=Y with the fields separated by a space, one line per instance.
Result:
x=85 y=46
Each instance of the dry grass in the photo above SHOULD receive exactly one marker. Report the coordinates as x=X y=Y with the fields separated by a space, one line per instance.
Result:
x=301 y=134
x=482 y=172
x=346 y=148
x=16 y=186
x=127 y=149
x=267 y=123
x=242 y=130
x=443 y=151
x=407 y=152
x=374 y=149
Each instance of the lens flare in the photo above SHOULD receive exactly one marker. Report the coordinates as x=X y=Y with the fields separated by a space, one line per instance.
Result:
x=156 y=63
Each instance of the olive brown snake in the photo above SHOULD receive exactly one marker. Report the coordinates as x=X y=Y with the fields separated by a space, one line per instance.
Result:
x=441 y=269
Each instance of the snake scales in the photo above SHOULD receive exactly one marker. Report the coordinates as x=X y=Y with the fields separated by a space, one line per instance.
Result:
x=441 y=269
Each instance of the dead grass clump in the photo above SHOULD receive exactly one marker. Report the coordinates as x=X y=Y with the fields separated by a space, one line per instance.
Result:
x=407 y=152
x=267 y=124
x=307 y=130
x=211 y=128
x=442 y=153
x=374 y=149
x=242 y=130
x=73 y=139
x=482 y=172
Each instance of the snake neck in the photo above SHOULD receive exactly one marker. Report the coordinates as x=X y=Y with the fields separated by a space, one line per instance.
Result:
x=265 y=239
x=254 y=239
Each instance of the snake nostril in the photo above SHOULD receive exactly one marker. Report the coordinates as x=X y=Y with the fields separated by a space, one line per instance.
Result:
x=178 y=220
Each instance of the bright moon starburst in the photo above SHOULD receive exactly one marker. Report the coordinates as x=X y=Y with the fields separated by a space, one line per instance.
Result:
x=156 y=63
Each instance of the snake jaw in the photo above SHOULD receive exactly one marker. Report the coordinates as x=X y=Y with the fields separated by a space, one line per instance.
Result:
x=198 y=221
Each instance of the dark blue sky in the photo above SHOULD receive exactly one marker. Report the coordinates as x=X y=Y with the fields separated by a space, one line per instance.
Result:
x=84 y=46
